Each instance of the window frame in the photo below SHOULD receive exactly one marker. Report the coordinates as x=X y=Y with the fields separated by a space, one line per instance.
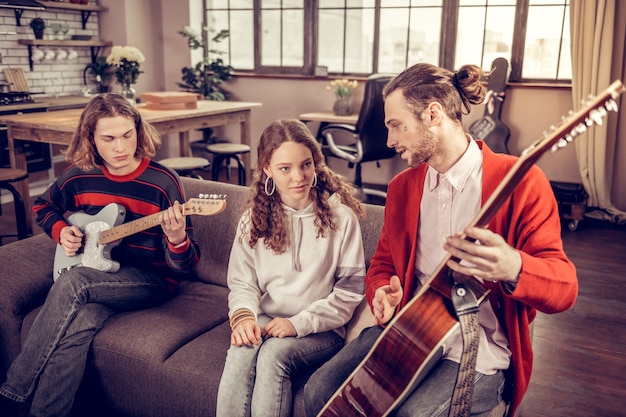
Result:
x=447 y=39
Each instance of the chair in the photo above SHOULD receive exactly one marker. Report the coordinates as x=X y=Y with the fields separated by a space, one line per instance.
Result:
x=222 y=154
x=367 y=140
x=7 y=177
x=186 y=166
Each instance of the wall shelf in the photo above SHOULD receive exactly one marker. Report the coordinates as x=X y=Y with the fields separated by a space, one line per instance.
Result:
x=95 y=46
x=84 y=9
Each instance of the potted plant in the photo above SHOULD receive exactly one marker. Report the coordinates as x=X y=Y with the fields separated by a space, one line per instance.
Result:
x=101 y=71
x=38 y=25
x=206 y=77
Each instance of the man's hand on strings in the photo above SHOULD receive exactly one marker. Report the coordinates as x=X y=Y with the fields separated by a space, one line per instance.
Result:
x=489 y=258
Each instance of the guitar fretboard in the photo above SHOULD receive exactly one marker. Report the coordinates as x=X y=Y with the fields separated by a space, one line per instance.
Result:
x=130 y=228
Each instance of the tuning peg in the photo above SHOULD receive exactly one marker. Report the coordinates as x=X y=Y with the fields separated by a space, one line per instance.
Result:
x=561 y=143
x=596 y=117
x=611 y=105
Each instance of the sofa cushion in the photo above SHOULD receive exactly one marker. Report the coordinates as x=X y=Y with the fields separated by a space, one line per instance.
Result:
x=215 y=234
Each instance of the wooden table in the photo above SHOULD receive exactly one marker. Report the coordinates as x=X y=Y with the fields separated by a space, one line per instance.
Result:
x=329 y=117
x=325 y=118
x=58 y=127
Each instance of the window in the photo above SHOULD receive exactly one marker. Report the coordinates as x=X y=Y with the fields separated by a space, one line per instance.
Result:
x=360 y=37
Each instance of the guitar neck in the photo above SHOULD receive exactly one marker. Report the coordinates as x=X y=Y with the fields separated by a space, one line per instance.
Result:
x=130 y=228
x=205 y=205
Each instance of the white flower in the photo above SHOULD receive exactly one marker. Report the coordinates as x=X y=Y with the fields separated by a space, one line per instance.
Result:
x=130 y=53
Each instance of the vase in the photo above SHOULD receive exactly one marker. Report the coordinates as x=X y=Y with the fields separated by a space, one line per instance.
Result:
x=342 y=106
x=129 y=93
x=38 y=32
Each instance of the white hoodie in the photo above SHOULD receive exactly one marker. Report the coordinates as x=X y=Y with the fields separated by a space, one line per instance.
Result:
x=316 y=283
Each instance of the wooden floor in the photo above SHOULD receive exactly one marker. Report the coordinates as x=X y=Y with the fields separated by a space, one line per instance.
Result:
x=580 y=355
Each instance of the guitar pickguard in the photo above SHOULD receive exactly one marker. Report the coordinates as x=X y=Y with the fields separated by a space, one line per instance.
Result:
x=94 y=254
x=93 y=251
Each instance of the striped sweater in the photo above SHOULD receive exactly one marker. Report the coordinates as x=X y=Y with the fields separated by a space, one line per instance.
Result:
x=150 y=189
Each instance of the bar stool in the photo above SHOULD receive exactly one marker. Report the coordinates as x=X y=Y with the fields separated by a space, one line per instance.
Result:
x=223 y=152
x=7 y=177
x=186 y=165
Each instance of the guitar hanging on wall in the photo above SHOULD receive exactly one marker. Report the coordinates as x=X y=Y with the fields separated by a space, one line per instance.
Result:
x=105 y=230
x=410 y=343
x=490 y=129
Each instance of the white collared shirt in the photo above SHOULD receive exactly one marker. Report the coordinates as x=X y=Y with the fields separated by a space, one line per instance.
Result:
x=450 y=202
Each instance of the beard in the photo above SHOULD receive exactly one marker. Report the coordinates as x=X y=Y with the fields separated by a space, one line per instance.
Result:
x=424 y=150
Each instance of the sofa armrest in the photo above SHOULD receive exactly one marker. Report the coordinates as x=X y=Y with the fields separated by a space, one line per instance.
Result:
x=25 y=274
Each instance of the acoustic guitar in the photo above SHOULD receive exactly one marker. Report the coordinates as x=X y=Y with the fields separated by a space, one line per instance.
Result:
x=105 y=230
x=490 y=129
x=411 y=342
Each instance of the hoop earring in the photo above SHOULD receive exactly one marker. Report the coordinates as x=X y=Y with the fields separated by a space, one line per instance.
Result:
x=269 y=193
x=314 y=180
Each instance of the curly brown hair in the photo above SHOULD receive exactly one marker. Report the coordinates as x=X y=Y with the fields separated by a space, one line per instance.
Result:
x=267 y=218
x=82 y=150
x=423 y=83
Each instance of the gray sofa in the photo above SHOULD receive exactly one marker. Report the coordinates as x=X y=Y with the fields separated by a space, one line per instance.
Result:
x=166 y=361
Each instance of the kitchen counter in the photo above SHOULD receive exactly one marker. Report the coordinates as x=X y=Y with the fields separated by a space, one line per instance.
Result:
x=47 y=103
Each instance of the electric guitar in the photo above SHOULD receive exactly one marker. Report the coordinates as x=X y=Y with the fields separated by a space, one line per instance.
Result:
x=105 y=230
x=411 y=342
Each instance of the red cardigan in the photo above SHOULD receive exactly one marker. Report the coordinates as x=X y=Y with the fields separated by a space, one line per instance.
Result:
x=528 y=220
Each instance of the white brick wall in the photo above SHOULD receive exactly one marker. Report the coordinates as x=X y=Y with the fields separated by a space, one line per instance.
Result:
x=50 y=77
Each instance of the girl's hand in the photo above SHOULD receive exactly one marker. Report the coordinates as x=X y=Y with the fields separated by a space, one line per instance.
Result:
x=247 y=332
x=279 y=327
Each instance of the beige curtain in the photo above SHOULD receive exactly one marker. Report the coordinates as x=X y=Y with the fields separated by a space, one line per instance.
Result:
x=598 y=39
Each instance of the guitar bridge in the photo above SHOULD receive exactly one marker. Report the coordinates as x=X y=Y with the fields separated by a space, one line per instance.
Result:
x=67 y=268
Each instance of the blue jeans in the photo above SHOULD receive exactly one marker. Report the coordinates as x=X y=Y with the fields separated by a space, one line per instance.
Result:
x=257 y=379
x=55 y=350
x=431 y=398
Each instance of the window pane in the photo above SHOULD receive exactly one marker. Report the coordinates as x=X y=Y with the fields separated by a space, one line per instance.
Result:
x=287 y=4
x=240 y=4
x=359 y=41
x=282 y=32
x=487 y=2
x=242 y=39
x=346 y=38
x=331 y=39
x=217 y=21
x=331 y=3
x=565 y=63
x=392 y=50
x=408 y=35
x=543 y=42
x=424 y=37
x=217 y=4
x=292 y=38
x=484 y=34
x=270 y=40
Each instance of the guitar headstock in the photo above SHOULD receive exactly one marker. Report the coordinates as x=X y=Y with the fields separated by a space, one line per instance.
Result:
x=592 y=113
x=205 y=205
